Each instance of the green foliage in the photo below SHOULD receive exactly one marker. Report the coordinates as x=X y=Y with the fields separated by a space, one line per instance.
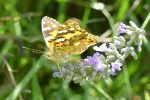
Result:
x=27 y=75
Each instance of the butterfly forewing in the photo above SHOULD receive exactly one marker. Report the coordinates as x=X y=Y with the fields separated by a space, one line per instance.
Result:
x=49 y=28
x=74 y=39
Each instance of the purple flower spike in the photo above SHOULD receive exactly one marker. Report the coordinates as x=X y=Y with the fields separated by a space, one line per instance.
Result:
x=56 y=74
x=121 y=29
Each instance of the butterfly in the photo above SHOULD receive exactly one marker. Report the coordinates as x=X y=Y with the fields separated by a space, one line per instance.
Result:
x=65 y=40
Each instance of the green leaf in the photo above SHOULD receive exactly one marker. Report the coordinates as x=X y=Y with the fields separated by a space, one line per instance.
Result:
x=36 y=91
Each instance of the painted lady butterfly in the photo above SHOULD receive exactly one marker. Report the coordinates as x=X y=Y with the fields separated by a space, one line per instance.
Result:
x=65 y=39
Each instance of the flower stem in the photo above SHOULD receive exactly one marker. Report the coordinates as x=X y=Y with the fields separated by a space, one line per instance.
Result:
x=146 y=21
x=15 y=93
x=101 y=91
x=110 y=19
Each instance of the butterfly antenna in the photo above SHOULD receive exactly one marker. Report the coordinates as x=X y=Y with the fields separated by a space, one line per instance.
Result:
x=34 y=50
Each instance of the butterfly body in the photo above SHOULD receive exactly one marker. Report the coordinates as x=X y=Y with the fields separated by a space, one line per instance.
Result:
x=65 y=39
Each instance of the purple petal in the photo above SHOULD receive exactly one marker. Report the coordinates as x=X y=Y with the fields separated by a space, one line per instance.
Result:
x=56 y=74
x=116 y=66
x=96 y=62
x=90 y=60
x=117 y=42
x=113 y=72
x=93 y=60
x=121 y=29
x=100 y=67
x=102 y=48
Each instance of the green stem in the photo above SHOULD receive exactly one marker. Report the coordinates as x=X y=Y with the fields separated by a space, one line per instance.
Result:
x=110 y=19
x=101 y=91
x=127 y=81
x=15 y=93
x=86 y=16
x=146 y=21
x=101 y=7
x=61 y=11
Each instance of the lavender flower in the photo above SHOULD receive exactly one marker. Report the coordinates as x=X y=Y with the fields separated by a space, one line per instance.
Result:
x=93 y=60
x=122 y=28
x=115 y=66
x=96 y=62
x=119 y=41
x=102 y=48
x=56 y=74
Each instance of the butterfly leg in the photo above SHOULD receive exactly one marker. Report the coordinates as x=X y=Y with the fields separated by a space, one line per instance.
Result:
x=60 y=70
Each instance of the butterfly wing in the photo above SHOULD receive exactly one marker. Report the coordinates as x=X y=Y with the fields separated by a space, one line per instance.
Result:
x=49 y=29
x=72 y=39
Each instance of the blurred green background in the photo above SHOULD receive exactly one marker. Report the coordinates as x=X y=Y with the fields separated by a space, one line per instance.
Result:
x=27 y=75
